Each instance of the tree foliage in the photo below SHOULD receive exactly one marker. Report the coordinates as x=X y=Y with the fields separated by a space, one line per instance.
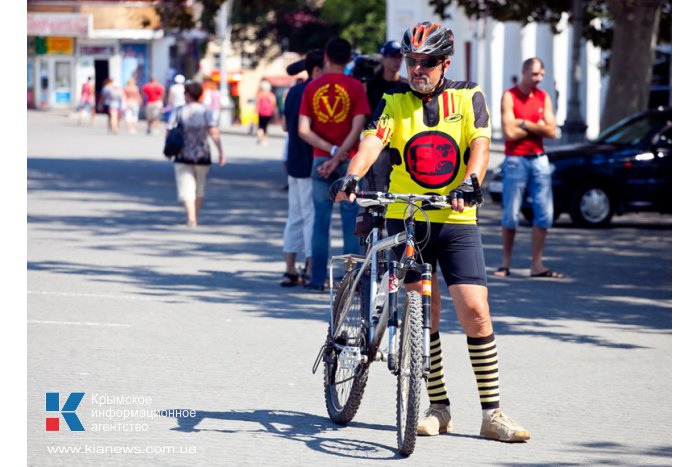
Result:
x=361 y=22
x=264 y=28
x=175 y=15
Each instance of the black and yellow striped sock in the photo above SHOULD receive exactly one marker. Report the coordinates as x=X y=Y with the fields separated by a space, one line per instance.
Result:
x=484 y=359
x=437 y=392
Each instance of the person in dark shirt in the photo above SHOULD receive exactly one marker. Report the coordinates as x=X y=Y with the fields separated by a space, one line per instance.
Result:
x=377 y=179
x=300 y=217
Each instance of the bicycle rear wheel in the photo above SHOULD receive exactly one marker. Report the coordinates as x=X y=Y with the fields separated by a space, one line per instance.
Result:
x=410 y=374
x=345 y=371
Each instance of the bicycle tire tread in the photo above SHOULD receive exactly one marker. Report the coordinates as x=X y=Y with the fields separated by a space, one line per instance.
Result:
x=349 y=410
x=406 y=441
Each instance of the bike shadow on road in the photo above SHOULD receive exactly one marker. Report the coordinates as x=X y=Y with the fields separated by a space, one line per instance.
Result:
x=618 y=276
x=318 y=433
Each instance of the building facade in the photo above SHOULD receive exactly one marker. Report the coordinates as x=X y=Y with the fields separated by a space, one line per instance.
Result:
x=69 y=41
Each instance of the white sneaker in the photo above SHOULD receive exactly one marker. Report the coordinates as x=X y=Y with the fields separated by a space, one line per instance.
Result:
x=501 y=427
x=438 y=419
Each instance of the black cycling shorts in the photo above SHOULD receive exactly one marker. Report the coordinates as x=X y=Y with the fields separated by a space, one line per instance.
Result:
x=456 y=247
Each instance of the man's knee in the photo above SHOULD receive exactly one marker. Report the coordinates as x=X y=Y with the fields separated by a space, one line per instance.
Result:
x=479 y=312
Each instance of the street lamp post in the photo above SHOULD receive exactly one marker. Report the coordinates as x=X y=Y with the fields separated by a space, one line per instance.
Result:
x=574 y=128
x=224 y=31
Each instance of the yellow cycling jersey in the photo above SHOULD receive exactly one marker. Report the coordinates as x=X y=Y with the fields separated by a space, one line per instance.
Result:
x=428 y=139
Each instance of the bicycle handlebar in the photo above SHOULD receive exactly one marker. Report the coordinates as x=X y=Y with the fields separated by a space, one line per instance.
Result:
x=365 y=198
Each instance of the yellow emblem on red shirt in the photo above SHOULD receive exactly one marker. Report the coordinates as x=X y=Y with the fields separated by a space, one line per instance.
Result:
x=331 y=106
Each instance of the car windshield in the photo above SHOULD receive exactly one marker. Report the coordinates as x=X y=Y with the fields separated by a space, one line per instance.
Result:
x=633 y=130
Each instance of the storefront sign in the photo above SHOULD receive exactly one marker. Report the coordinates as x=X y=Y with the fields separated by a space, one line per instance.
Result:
x=105 y=50
x=59 y=45
x=59 y=24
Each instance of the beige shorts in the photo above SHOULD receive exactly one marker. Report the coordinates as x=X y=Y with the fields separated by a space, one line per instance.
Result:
x=190 y=180
x=153 y=110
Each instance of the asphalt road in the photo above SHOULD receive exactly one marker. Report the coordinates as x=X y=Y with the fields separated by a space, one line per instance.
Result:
x=190 y=353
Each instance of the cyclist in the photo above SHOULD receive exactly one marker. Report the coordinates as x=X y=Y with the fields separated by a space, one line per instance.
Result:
x=439 y=132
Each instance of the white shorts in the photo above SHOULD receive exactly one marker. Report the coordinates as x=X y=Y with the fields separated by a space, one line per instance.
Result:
x=131 y=113
x=190 y=180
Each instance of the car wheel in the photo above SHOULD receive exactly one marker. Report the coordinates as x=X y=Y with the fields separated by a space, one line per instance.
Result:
x=591 y=206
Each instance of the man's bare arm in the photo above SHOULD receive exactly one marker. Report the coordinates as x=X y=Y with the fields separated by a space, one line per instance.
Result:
x=509 y=124
x=479 y=154
x=308 y=135
x=367 y=154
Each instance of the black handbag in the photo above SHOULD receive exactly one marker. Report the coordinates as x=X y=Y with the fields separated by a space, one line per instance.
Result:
x=175 y=140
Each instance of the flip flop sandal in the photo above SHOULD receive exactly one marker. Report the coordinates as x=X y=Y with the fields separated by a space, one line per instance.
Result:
x=502 y=272
x=549 y=274
x=289 y=280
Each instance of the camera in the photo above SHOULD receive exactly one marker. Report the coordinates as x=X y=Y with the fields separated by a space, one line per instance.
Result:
x=366 y=67
x=296 y=67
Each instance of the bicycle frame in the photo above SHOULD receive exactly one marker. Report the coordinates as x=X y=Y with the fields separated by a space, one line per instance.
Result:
x=383 y=311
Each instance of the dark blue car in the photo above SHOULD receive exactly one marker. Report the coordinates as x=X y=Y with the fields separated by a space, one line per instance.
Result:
x=626 y=169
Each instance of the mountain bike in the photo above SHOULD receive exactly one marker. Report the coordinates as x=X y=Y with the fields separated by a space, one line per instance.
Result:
x=365 y=306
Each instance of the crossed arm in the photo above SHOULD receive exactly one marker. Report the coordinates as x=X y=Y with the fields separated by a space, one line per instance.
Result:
x=511 y=126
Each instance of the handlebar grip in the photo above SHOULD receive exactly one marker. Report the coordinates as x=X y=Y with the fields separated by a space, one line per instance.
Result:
x=368 y=194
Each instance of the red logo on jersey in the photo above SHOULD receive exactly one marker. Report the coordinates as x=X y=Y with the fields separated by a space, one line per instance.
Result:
x=432 y=159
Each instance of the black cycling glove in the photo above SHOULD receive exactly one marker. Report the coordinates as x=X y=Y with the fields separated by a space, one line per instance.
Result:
x=466 y=192
x=348 y=184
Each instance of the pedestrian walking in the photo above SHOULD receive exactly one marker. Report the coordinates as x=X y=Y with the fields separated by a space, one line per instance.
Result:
x=527 y=118
x=103 y=101
x=298 y=231
x=266 y=107
x=154 y=93
x=192 y=164
x=87 y=101
x=176 y=93
x=117 y=104
x=333 y=111
x=132 y=105
x=212 y=99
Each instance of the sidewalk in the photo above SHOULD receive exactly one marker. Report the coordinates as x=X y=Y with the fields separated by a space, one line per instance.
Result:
x=123 y=300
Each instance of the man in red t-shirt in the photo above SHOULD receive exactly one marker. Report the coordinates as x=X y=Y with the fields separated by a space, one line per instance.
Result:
x=154 y=92
x=332 y=115
x=527 y=118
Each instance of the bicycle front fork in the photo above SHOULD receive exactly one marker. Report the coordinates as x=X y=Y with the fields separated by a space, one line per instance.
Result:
x=426 y=293
x=426 y=297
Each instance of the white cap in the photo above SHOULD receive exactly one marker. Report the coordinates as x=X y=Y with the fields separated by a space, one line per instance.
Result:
x=179 y=79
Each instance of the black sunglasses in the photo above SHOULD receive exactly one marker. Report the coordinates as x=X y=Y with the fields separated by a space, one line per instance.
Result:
x=430 y=62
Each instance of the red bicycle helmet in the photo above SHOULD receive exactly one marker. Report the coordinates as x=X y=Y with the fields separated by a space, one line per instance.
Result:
x=428 y=38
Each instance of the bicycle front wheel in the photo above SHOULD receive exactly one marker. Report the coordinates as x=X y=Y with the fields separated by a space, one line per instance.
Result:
x=346 y=370
x=410 y=374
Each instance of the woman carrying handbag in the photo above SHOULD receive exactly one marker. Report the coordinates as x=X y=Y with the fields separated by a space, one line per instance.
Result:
x=193 y=161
